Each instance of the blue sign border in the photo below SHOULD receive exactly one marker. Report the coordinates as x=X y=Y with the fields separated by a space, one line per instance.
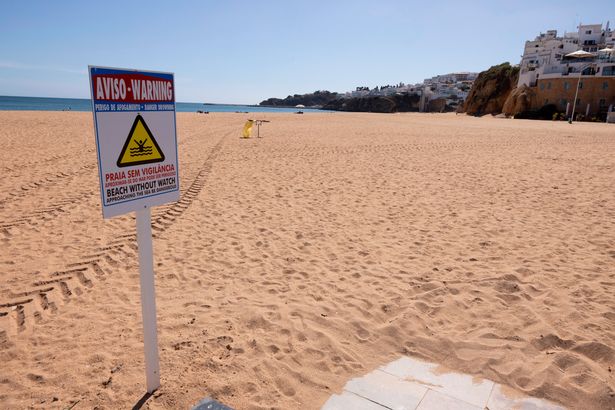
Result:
x=94 y=70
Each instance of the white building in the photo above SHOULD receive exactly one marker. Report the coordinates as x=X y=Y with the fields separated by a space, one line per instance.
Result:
x=452 y=87
x=545 y=56
x=452 y=78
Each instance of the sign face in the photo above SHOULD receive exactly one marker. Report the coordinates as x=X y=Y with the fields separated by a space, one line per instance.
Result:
x=136 y=141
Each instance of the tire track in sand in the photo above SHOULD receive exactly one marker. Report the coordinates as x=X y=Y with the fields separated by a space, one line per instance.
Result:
x=43 y=297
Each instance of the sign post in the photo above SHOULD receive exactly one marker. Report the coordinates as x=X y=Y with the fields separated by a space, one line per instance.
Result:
x=136 y=142
x=148 y=299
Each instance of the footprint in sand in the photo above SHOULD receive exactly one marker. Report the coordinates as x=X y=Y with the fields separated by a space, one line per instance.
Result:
x=284 y=386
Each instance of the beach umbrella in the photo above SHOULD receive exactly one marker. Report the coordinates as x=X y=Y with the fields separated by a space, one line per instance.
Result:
x=299 y=106
x=579 y=54
x=606 y=50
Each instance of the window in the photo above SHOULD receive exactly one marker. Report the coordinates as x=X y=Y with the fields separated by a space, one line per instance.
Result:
x=566 y=85
x=605 y=85
x=564 y=102
x=549 y=85
x=602 y=102
x=588 y=31
x=580 y=85
x=542 y=86
x=609 y=70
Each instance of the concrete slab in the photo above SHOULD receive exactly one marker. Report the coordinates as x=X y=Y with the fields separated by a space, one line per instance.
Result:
x=437 y=401
x=503 y=398
x=387 y=390
x=210 y=404
x=412 y=384
x=347 y=400
x=461 y=386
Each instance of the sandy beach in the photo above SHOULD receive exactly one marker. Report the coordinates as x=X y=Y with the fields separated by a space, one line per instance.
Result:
x=293 y=262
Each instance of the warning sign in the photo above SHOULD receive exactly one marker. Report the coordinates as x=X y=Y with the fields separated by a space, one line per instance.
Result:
x=134 y=119
x=140 y=146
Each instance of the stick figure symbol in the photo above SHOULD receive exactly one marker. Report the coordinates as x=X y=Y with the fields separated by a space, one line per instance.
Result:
x=140 y=149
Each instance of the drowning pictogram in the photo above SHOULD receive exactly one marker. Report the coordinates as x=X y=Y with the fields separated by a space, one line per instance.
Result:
x=140 y=146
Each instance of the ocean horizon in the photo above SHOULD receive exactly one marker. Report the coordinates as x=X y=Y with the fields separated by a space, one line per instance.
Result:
x=16 y=103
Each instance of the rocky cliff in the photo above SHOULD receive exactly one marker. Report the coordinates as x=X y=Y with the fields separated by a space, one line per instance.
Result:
x=519 y=100
x=394 y=103
x=315 y=99
x=491 y=89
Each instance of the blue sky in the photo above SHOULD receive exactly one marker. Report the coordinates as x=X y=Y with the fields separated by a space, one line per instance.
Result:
x=246 y=51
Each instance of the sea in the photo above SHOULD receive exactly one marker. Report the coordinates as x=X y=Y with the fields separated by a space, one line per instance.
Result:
x=85 y=104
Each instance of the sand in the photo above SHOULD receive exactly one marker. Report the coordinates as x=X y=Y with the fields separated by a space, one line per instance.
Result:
x=334 y=244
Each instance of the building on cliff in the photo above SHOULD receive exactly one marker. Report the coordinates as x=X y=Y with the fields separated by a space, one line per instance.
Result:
x=447 y=90
x=554 y=77
x=440 y=93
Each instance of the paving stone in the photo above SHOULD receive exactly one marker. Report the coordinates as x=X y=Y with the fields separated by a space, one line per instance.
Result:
x=210 y=404
x=434 y=400
x=456 y=385
x=503 y=398
x=406 y=382
x=350 y=401
x=387 y=390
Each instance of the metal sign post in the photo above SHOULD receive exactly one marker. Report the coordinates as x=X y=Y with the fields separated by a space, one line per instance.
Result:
x=148 y=298
x=247 y=128
x=258 y=127
x=136 y=143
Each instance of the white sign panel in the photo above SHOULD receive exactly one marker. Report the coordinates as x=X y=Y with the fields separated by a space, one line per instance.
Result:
x=136 y=141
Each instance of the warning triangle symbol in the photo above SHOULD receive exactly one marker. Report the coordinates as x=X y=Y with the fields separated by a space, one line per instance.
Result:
x=140 y=146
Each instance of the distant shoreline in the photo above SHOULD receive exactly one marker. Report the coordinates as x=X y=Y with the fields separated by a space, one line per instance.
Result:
x=18 y=103
x=90 y=100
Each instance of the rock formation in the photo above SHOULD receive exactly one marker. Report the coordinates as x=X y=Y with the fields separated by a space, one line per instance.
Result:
x=393 y=103
x=438 y=105
x=491 y=89
x=518 y=101
x=315 y=99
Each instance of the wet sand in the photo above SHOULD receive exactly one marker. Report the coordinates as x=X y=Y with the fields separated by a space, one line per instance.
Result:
x=336 y=243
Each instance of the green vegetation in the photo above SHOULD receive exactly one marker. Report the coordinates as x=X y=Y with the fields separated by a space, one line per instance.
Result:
x=315 y=99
